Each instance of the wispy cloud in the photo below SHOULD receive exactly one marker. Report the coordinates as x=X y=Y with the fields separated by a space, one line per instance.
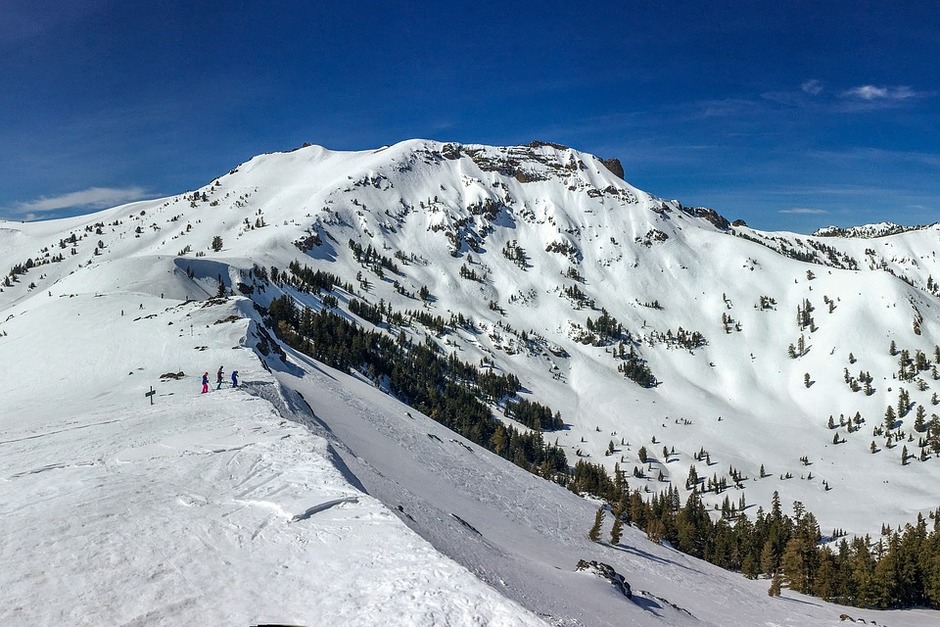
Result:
x=898 y=158
x=814 y=95
x=873 y=93
x=803 y=211
x=91 y=198
x=812 y=87
x=723 y=107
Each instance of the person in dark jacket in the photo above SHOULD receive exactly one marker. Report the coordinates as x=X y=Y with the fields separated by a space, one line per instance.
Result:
x=234 y=378
x=219 y=379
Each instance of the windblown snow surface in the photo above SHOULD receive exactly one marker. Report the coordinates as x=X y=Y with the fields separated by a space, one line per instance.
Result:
x=308 y=496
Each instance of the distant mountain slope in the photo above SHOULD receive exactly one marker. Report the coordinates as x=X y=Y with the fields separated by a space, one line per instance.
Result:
x=540 y=261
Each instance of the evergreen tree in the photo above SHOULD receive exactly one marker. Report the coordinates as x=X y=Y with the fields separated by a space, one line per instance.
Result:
x=594 y=535
x=825 y=583
x=890 y=418
x=616 y=531
x=775 y=584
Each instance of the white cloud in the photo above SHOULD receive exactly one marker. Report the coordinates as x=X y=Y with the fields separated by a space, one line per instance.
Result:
x=91 y=198
x=875 y=93
x=812 y=87
x=804 y=211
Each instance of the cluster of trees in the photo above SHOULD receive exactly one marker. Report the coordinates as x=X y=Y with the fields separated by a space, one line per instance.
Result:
x=899 y=569
x=855 y=383
x=307 y=279
x=634 y=368
x=563 y=247
x=689 y=340
x=577 y=295
x=727 y=321
x=466 y=272
x=448 y=390
x=804 y=312
x=799 y=350
x=766 y=302
x=20 y=268
x=516 y=253
x=366 y=311
x=606 y=327
x=372 y=259
x=910 y=368
x=534 y=415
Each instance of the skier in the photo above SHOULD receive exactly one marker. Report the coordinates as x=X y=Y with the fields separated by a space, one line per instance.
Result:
x=234 y=378
x=205 y=382
x=219 y=379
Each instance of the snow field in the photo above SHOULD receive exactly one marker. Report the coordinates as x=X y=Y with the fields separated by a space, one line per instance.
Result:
x=206 y=509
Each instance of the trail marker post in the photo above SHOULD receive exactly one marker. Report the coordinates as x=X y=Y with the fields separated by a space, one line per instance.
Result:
x=150 y=394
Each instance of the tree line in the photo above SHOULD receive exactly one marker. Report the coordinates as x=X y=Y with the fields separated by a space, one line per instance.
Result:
x=446 y=389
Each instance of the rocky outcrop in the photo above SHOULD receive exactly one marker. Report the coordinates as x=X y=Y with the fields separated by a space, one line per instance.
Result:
x=606 y=571
x=613 y=165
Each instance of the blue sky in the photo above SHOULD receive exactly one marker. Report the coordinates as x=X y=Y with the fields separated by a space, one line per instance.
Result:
x=790 y=115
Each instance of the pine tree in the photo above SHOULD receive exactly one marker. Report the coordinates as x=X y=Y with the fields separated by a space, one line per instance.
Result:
x=768 y=561
x=825 y=584
x=890 y=418
x=217 y=243
x=749 y=566
x=775 y=584
x=904 y=402
x=594 y=535
x=616 y=531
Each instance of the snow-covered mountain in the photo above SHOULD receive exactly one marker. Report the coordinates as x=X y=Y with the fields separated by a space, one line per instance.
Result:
x=534 y=260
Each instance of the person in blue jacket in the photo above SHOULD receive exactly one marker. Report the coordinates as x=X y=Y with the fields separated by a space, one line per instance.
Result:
x=205 y=382
x=234 y=378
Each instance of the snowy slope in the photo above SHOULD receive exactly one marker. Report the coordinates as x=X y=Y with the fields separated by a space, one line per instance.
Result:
x=244 y=505
x=198 y=509
x=82 y=336
x=524 y=535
